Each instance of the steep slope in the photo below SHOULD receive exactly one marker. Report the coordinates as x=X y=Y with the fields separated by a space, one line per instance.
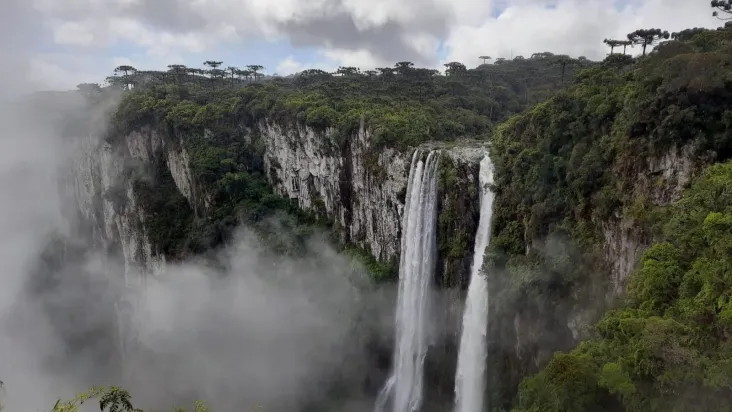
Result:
x=580 y=180
x=668 y=348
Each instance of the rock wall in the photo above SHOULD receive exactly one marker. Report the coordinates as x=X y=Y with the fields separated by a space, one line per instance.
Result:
x=661 y=182
x=105 y=206
x=360 y=188
x=362 y=193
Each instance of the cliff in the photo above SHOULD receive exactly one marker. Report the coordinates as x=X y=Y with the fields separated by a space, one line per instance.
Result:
x=586 y=182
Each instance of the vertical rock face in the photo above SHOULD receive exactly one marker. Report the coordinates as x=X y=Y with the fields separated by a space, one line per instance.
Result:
x=363 y=192
x=105 y=202
x=361 y=189
x=661 y=182
x=107 y=208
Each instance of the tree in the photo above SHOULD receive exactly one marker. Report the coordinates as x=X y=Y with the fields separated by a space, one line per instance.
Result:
x=386 y=71
x=645 y=37
x=617 y=43
x=484 y=58
x=255 y=69
x=625 y=44
x=612 y=43
x=562 y=61
x=724 y=6
x=455 y=68
x=212 y=64
x=500 y=61
x=127 y=71
x=542 y=55
x=403 y=68
x=348 y=71
x=178 y=70
x=233 y=71
x=217 y=73
x=687 y=34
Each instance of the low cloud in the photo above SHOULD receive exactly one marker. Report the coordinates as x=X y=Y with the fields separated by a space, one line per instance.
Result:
x=257 y=328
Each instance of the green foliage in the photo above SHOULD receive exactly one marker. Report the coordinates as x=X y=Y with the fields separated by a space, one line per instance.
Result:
x=380 y=272
x=668 y=350
x=455 y=221
x=113 y=399
x=404 y=106
x=580 y=160
x=218 y=121
x=575 y=158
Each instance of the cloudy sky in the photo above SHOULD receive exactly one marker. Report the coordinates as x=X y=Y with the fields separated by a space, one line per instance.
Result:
x=66 y=42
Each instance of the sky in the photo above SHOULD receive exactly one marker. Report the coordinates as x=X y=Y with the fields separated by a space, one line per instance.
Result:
x=73 y=41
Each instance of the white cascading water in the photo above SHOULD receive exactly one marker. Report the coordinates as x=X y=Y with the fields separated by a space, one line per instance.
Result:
x=404 y=389
x=470 y=378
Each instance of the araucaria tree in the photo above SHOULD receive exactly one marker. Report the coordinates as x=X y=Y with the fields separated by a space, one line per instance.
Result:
x=562 y=61
x=255 y=69
x=127 y=71
x=617 y=43
x=645 y=37
x=484 y=58
x=455 y=68
x=724 y=6
x=625 y=44
x=612 y=43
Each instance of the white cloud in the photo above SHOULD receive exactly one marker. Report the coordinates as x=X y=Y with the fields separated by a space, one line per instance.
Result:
x=72 y=33
x=363 y=59
x=574 y=27
x=290 y=65
x=363 y=33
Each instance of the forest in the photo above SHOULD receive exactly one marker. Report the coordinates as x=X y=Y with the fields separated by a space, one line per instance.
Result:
x=570 y=138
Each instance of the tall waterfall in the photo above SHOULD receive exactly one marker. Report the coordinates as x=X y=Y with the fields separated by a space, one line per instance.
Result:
x=416 y=267
x=470 y=378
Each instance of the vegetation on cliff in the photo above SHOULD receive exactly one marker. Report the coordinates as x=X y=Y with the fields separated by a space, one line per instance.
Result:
x=403 y=105
x=566 y=171
x=218 y=120
x=577 y=162
x=668 y=349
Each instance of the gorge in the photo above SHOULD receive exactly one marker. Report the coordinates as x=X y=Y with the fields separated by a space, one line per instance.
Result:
x=346 y=242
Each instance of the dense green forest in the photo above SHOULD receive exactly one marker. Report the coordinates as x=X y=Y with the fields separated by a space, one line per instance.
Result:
x=572 y=163
x=569 y=139
x=214 y=114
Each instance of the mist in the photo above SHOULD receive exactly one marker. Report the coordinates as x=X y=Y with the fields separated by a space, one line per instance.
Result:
x=266 y=330
x=280 y=332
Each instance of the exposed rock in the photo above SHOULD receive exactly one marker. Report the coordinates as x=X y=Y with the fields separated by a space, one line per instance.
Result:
x=362 y=191
x=108 y=206
x=662 y=182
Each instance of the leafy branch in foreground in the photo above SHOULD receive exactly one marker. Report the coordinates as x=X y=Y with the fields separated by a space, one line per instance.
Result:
x=114 y=399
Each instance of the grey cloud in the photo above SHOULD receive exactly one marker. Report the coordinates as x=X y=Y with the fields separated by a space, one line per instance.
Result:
x=19 y=31
x=385 y=42
x=171 y=15
x=331 y=26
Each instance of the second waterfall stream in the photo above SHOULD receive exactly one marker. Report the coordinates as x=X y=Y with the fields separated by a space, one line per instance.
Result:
x=471 y=370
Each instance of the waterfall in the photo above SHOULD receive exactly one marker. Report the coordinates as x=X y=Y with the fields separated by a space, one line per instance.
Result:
x=416 y=267
x=470 y=378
